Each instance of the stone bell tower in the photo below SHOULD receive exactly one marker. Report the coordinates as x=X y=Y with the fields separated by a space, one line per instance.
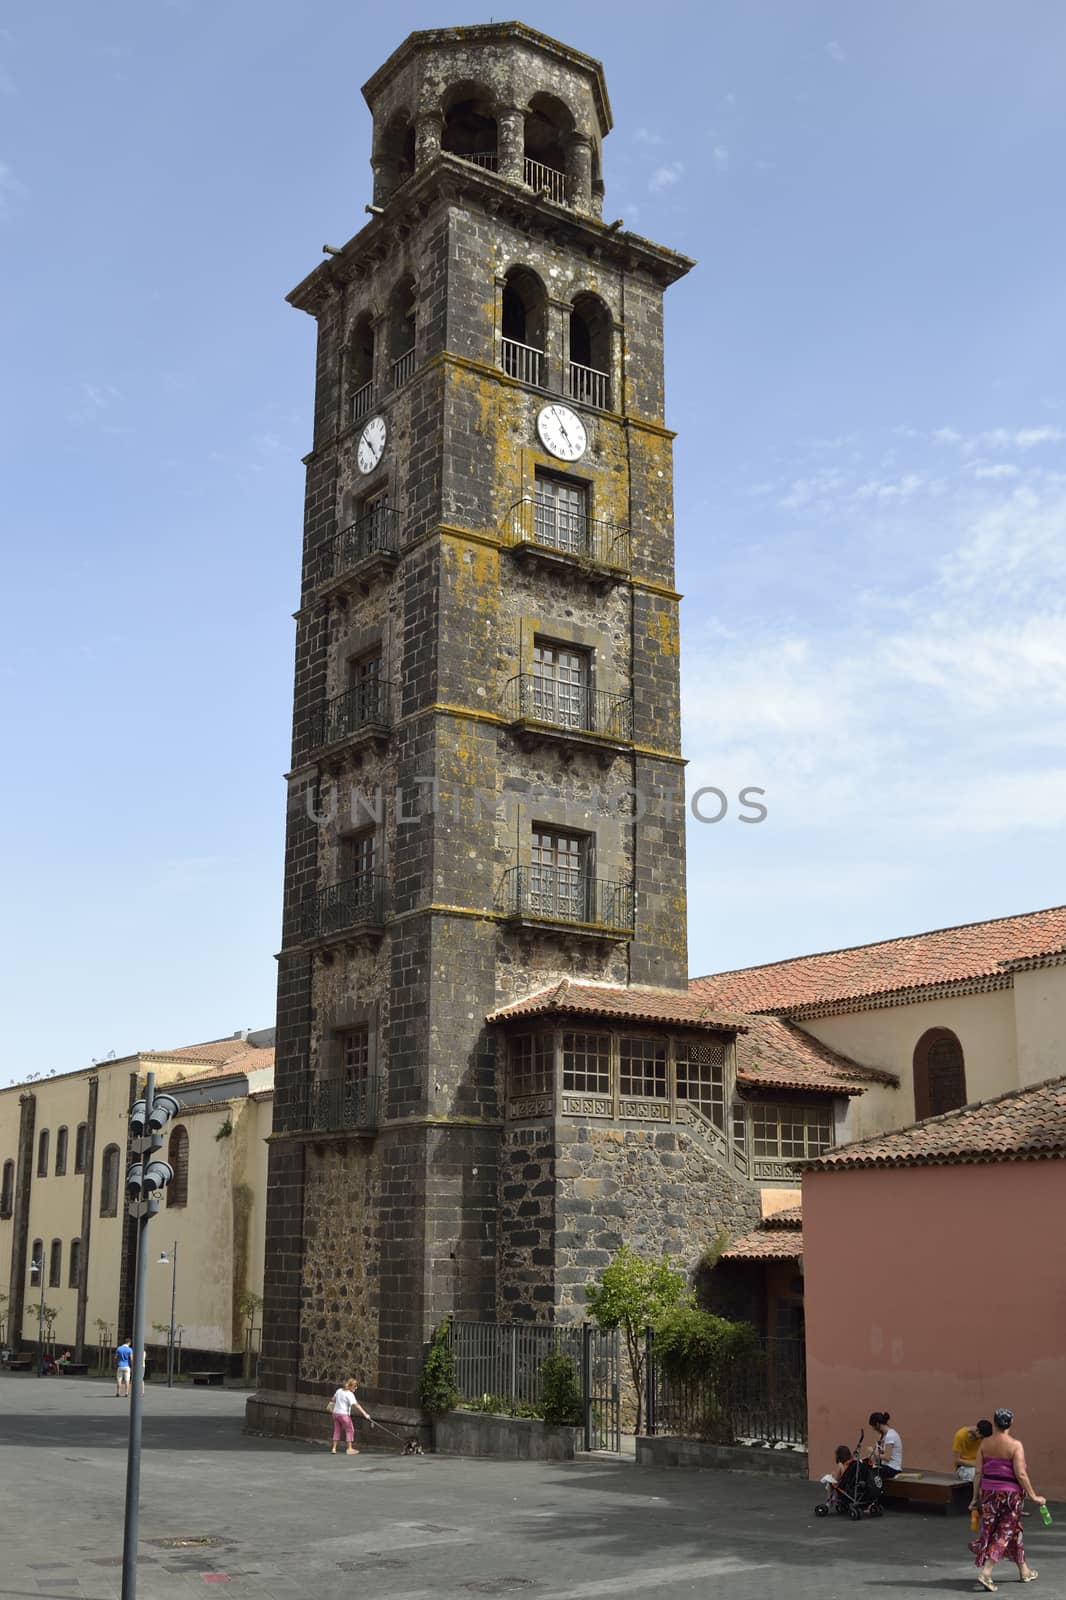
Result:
x=483 y=797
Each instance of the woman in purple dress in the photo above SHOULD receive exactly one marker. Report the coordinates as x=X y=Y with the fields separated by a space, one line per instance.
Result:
x=1000 y=1486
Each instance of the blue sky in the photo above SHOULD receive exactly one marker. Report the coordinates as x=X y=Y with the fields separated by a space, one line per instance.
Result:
x=866 y=372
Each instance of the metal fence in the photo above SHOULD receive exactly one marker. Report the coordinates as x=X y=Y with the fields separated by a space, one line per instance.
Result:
x=503 y=1361
x=758 y=1399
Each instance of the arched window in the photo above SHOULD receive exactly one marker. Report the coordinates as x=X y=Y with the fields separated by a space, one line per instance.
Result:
x=74 y=1271
x=80 y=1141
x=548 y=126
x=403 y=314
x=55 y=1264
x=61 y=1152
x=37 y=1261
x=470 y=125
x=177 y=1190
x=42 y=1153
x=7 y=1190
x=939 y=1073
x=361 y=368
x=590 y=351
x=109 y=1181
x=525 y=327
x=394 y=156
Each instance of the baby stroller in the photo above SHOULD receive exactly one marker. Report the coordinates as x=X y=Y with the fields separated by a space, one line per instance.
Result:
x=858 y=1492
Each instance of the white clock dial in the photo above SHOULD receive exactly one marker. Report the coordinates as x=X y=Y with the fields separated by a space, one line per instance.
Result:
x=371 y=446
x=562 y=432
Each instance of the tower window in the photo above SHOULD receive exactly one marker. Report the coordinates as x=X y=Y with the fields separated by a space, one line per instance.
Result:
x=7 y=1190
x=939 y=1073
x=590 y=351
x=61 y=1152
x=109 y=1181
x=403 y=318
x=587 y=1063
x=394 y=157
x=560 y=685
x=42 y=1153
x=549 y=124
x=177 y=1191
x=55 y=1264
x=700 y=1070
x=80 y=1141
x=365 y=685
x=525 y=327
x=561 y=514
x=361 y=370
x=470 y=126
x=558 y=875
x=74 y=1268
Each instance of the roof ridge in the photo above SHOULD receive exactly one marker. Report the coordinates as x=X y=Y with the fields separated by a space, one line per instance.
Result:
x=877 y=944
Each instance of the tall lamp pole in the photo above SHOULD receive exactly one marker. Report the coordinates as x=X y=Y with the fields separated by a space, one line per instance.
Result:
x=37 y=1271
x=173 y=1298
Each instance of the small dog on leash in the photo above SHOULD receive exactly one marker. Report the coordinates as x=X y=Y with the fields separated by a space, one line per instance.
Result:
x=412 y=1447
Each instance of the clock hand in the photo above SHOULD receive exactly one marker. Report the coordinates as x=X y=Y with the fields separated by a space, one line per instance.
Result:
x=562 y=429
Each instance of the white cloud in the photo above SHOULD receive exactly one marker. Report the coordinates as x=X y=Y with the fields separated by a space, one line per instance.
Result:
x=11 y=191
x=995 y=469
x=720 y=154
x=943 y=435
x=645 y=136
x=882 y=489
x=94 y=399
x=664 y=177
x=835 y=51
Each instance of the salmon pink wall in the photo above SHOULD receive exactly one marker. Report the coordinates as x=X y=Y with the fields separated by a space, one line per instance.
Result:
x=937 y=1294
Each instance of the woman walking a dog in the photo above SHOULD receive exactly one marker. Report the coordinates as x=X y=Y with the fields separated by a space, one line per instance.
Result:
x=1000 y=1486
x=342 y=1405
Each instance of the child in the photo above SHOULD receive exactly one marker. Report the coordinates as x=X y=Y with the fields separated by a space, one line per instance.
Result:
x=843 y=1457
x=342 y=1405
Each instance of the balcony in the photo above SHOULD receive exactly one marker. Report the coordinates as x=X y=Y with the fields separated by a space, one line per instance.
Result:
x=366 y=546
x=589 y=386
x=403 y=367
x=336 y=1106
x=547 y=181
x=362 y=402
x=361 y=711
x=524 y=362
x=547 y=529
x=354 y=907
x=537 y=896
x=488 y=160
x=572 y=711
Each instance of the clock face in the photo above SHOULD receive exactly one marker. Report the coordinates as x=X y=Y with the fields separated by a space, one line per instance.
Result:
x=371 y=444
x=562 y=432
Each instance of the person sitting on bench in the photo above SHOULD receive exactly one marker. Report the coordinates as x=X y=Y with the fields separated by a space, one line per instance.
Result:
x=887 y=1455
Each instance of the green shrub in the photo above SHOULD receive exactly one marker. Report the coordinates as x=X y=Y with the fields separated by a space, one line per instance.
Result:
x=436 y=1386
x=690 y=1343
x=560 y=1391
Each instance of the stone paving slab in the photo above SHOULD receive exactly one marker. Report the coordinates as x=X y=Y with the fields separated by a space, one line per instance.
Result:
x=223 y=1511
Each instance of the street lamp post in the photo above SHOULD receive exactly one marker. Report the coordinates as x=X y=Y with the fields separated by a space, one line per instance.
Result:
x=37 y=1270
x=173 y=1264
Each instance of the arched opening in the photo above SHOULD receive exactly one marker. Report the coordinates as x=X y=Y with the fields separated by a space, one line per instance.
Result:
x=939 y=1073
x=74 y=1268
x=55 y=1264
x=403 y=328
x=361 y=369
x=62 y=1138
x=470 y=125
x=43 y=1141
x=395 y=158
x=525 y=327
x=7 y=1190
x=80 y=1139
x=178 y=1156
x=548 y=124
x=109 y=1181
x=590 y=351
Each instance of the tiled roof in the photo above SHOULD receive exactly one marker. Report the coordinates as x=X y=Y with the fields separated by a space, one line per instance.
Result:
x=779 y=1055
x=637 y=1003
x=777 y=1238
x=1022 y=1125
x=945 y=956
x=264 y=1060
x=215 y=1052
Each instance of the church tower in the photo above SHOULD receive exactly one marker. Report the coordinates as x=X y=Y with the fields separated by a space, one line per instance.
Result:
x=485 y=790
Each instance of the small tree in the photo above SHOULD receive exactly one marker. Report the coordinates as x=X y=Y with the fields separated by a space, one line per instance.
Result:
x=635 y=1294
x=560 y=1391
x=249 y=1305
x=437 y=1387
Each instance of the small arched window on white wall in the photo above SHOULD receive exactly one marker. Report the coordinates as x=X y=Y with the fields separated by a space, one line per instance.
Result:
x=939 y=1073
x=177 y=1190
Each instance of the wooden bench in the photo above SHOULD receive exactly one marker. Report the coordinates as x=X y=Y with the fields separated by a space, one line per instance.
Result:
x=21 y=1363
x=75 y=1369
x=214 y=1379
x=940 y=1490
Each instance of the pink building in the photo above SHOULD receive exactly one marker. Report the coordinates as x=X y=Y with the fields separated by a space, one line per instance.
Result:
x=935 y=1282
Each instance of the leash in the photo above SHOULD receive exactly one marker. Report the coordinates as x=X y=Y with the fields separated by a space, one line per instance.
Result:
x=387 y=1430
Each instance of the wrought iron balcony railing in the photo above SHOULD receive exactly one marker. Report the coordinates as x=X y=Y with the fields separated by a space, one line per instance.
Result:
x=364 y=706
x=362 y=402
x=590 y=386
x=378 y=533
x=556 y=894
x=525 y=362
x=343 y=907
x=571 y=706
x=336 y=1105
x=478 y=158
x=551 y=526
x=403 y=367
x=547 y=180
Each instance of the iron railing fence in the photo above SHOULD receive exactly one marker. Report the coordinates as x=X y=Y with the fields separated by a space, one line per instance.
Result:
x=503 y=1361
x=403 y=367
x=362 y=402
x=564 y=705
x=489 y=159
x=555 y=894
x=356 y=903
x=365 y=705
x=547 y=180
x=336 y=1105
x=760 y=1398
x=570 y=532
x=377 y=533
x=590 y=386
x=525 y=362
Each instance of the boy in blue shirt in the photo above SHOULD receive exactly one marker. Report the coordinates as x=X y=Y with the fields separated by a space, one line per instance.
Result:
x=124 y=1359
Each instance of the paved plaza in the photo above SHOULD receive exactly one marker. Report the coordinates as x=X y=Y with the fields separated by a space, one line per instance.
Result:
x=285 y=1519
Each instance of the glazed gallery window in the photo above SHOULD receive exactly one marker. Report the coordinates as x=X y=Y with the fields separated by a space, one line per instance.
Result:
x=790 y=1132
x=109 y=1181
x=642 y=1068
x=561 y=679
x=532 y=1064
x=561 y=514
x=177 y=1190
x=701 y=1078
x=939 y=1073
x=587 y=1063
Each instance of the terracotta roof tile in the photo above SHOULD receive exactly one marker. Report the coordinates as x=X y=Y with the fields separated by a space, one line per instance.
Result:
x=779 y=1055
x=637 y=1003
x=777 y=1238
x=1022 y=1125
x=946 y=955
x=218 y=1052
